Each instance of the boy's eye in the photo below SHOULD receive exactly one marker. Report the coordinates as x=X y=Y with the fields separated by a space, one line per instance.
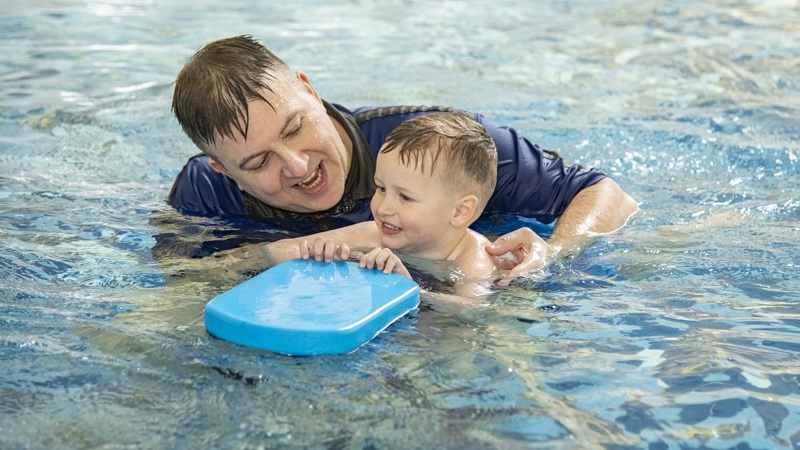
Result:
x=405 y=198
x=381 y=189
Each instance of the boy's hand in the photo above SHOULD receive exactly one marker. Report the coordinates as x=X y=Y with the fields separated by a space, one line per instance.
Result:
x=279 y=251
x=383 y=259
x=324 y=250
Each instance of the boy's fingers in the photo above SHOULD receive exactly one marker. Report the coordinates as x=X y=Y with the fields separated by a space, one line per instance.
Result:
x=391 y=263
x=368 y=260
x=344 y=252
x=304 y=249
x=317 y=249
x=383 y=258
x=330 y=250
x=402 y=270
x=388 y=260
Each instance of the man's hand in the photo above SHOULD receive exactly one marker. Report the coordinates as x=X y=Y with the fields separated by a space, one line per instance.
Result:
x=597 y=210
x=530 y=251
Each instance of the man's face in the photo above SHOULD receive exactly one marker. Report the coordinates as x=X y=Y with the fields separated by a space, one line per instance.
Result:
x=293 y=157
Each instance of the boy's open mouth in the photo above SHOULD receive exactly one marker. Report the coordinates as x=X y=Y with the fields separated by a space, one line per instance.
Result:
x=387 y=228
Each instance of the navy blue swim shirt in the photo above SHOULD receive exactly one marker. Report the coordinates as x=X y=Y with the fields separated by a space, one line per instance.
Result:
x=531 y=182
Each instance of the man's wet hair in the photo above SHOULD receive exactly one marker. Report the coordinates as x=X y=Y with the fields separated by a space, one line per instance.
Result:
x=213 y=89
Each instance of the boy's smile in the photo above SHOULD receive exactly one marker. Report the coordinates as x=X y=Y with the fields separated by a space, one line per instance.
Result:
x=412 y=209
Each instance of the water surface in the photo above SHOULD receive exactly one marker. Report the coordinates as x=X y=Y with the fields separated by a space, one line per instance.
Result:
x=680 y=331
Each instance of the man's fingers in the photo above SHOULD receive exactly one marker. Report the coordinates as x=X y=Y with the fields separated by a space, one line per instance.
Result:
x=522 y=237
x=527 y=265
x=501 y=245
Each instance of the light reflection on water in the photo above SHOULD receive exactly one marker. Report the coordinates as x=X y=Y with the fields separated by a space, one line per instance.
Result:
x=679 y=330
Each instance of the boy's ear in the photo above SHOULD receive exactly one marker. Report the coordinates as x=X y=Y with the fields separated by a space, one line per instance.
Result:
x=464 y=212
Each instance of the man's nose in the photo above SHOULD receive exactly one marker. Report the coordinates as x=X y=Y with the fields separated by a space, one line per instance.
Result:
x=295 y=163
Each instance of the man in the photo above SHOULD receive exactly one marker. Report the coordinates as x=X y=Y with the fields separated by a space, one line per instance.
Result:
x=274 y=150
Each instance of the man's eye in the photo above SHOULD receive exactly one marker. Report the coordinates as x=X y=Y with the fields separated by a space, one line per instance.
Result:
x=295 y=131
x=263 y=163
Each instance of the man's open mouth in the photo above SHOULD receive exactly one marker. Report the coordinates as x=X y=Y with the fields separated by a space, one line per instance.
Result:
x=312 y=181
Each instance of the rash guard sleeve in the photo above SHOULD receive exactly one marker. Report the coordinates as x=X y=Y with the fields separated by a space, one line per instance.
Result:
x=532 y=182
x=200 y=190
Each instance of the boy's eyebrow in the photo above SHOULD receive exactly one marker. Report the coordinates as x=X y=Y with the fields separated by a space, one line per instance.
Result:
x=249 y=158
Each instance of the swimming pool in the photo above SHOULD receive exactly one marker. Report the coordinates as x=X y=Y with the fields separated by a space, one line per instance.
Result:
x=680 y=331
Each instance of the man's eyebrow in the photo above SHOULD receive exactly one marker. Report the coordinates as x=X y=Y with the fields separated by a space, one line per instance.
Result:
x=249 y=158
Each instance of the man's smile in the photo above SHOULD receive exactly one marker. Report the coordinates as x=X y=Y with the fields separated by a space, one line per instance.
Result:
x=312 y=181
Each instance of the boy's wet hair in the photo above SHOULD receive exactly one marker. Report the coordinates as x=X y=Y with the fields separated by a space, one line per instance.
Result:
x=216 y=84
x=454 y=142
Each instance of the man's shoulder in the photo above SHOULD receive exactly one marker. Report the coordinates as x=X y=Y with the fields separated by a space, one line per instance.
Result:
x=398 y=113
x=200 y=190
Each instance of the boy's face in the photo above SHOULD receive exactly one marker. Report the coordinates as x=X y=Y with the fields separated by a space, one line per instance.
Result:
x=412 y=209
x=293 y=157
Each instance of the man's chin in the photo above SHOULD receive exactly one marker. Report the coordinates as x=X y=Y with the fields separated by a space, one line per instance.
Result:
x=316 y=205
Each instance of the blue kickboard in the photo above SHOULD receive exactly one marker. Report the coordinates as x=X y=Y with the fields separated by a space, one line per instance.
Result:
x=308 y=307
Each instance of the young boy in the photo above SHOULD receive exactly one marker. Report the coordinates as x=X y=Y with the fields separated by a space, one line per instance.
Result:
x=434 y=175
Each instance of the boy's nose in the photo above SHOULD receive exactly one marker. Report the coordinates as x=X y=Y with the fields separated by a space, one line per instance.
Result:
x=385 y=207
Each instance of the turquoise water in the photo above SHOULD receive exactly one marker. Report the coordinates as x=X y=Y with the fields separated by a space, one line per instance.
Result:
x=680 y=331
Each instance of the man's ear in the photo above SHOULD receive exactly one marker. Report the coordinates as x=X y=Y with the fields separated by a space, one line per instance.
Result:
x=216 y=166
x=464 y=212
x=221 y=169
x=307 y=84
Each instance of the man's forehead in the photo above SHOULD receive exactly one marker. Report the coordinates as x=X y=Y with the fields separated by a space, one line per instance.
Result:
x=264 y=117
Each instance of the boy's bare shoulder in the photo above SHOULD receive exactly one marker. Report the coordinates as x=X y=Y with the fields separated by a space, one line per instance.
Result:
x=477 y=263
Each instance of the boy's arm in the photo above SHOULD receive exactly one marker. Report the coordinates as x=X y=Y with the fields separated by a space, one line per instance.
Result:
x=364 y=234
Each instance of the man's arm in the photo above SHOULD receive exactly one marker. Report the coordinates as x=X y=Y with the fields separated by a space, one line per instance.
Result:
x=598 y=209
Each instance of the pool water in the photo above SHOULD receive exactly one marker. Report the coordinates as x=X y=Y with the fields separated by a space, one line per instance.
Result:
x=680 y=331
